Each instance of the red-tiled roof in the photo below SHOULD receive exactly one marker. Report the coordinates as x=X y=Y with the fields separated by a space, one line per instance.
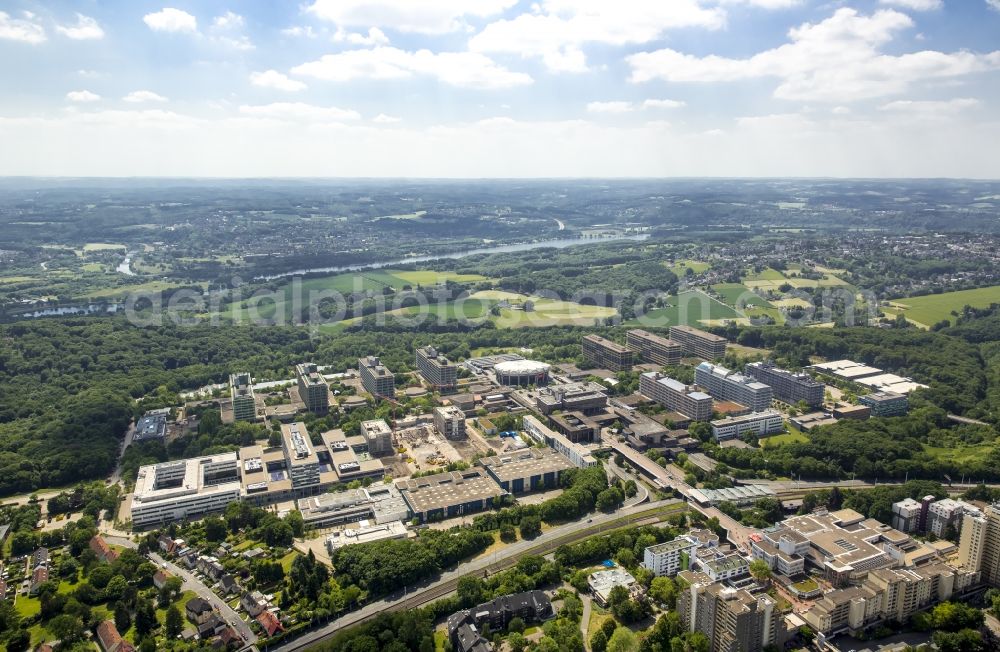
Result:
x=269 y=622
x=109 y=637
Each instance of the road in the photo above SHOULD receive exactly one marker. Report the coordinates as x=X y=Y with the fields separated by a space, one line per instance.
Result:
x=116 y=475
x=192 y=583
x=643 y=493
x=413 y=597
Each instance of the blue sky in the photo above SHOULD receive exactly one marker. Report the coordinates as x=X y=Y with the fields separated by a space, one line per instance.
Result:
x=501 y=88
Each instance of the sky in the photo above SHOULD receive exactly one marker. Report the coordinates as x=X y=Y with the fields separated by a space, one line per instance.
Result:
x=500 y=88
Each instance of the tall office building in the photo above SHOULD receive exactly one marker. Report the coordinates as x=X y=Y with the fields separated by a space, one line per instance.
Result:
x=788 y=386
x=733 y=620
x=979 y=544
x=313 y=389
x=436 y=369
x=244 y=403
x=378 y=434
x=450 y=422
x=699 y=343
x=376 y=378
x=676 y=396
x=726 y=385
x=606 y=354
x=653 y=348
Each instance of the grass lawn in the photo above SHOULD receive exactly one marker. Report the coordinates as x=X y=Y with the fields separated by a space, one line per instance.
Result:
x=16 y=279
x=738 y=295
x=787 y=438
x=440 y=636
x=102 y=246
x=27 y=606
x=597 y=618
x=806 y=585
x=151 y=286
x=766 y=274
x=681 y=266
x=430 y=277
x=161 y=614
x=928 y=310
x=690 y=308
x=286 y=561
x=960 y=454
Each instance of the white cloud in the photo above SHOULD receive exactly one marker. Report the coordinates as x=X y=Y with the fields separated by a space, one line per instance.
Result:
x=931 y=108
x=227 y=31
x=300 y=31
x=559 y=29
x=765 y=4
x=466 y=69
x=276 y=80
x=89 y=74
x=229 y=20
x=170 y=19
x=663 y=104
x=237 y=42
x=993 y=4
x=375 y=36
x=137 y=97
x=425 y=17
x=836 y=60
x=297 y=111
x=914 y=5
x=382 y=118
x=610 y=107
x=82 y=96
x=25 y=31
x=86 y=28
x=840 y=110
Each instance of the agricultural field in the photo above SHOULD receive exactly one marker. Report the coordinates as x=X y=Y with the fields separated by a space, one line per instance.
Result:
x=101 y=246
x=772 y=279
x=690 y=308
x=928 y=310
x=679 y=267
x=738 y=296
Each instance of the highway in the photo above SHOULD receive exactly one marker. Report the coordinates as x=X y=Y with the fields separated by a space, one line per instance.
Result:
x=422 y=594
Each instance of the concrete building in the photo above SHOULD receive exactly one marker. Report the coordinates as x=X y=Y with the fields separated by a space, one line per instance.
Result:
x=907 y=515
x=788 y=386
x=587 y=397
x=522 y=373
x=653 y=348
x=530 y=469
x=698 y=343
x=450 y=422
x=575 y=453
x=244 y=401
x=726 y=385
x=602 y=582
x=670 y=557
x=436 y=369
x=152 y=425
x=885 y=404
x=378 y=434
x=605 y=354
x=980 y=533
x=759 y=424
x=676 y=396
x=184 y=489
x=365 y=534
x=740 y=495
x=303 y=462
x=446 y=495
x=948 y=513
x=733 y=620
x=313 y=390
x=576 y=426
x=783 y=549
x=379 y=503
x=376 y=379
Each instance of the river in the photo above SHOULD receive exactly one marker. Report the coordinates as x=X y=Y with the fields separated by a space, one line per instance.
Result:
x=561 y=243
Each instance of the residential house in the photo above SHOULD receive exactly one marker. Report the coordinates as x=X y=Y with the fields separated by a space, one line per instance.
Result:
x=111 y=640
x=228 y=585
x=160 y=578
x=167 y=545
x=198 y=610
x=270 y=623
x=253 y=603
x=101 y=548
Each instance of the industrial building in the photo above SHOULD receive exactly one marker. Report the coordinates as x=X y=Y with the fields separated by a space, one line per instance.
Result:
x=654 y=348
x=522 y=373
x=483 y=365
x=378 y=435
x=152 y=425
x=446 y=495
x=379 y=502
x=450 y=422
x=437 y=370
x=726 y=385
x=376 y=379
x=788 y=386
x=575 y=453
x=365 y=534
x=244 y=401
x=871 y=377
x=759 y=424
x=733 y=620
x=698 y=343
x=313 y=390
x=740 y=495
x=885 y=404
x=670 y=557
x=184 y=489
x=676 y=396
x=586 y=396
x=604 y=353
x=349 y=457
x=526 y=470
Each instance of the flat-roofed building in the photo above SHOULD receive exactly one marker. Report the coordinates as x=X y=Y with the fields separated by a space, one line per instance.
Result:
x=185 y=489
x=379 y=503
x=586 y=396
x=450 y=494
x=733 y=620
x=759 y=424
x=699 y=343
x=303 y=462
x=788 y=386
x=946 y=514
x=450 y=422
x=807 y=422
x=349 y=459
x=602 y=352
x=848 y=411
x=727 y=385
x=378 y=434
x=670 y=557
x=653 y=348
x=602 y=582
x=436 y=369
x=313 y=390
x=366 y=534
x=783 y=549
x=244 y=401
x=376 y=379
x=906 y=515
x=676 y=396
x=885 y=404
x=576 y=426
x=575 y=453
x=530 y=469
x=152 y=425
